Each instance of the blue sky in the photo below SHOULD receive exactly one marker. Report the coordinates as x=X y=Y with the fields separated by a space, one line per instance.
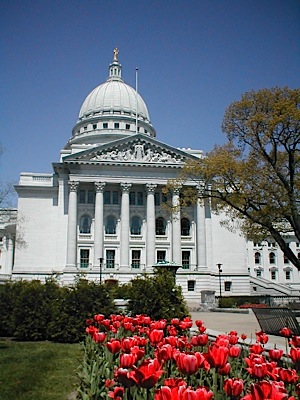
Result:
x=194 y=57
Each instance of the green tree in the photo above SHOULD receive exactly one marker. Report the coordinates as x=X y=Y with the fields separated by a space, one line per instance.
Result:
x=255 y=177
x=156 y=296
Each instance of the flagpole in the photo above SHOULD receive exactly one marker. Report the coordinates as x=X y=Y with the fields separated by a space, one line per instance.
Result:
x=136 y=99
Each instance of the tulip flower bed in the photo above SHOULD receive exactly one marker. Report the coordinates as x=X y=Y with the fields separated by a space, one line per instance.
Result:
x=136 y=358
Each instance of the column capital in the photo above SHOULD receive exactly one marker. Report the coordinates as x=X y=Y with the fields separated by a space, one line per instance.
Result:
x=125 y=187
x=200 y=189
x=73 y=186
x=99 y=186
x=176 y=191
x=150 y=188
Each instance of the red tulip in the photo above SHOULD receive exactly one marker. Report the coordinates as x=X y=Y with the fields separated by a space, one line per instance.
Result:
x=286 y=332
x=156 y=336
x=114 y=346
x=295 y=354
x=148 y=373
x=166 y=393
x=224 y=370
x=295 y=341
x=287 y=375
x=233 y=387
x=117 y=393
x=124 y=377
x=218 y=355
x=261 y=337
x=99 y=337
x=256 y=348
x=234 y=351
x=127 y=360
x=275 y=354
x=187 y=363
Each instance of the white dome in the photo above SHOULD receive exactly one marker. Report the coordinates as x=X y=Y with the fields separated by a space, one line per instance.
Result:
x=113 y=96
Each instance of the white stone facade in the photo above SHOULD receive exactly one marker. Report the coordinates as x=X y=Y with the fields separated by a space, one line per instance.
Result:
x=100 y=213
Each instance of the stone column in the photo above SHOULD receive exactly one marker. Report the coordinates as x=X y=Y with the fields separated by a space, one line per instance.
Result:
x=201 y=230
x=98 y=223
x=72 y=226
x=125 y=216
x=176 y=228
x=10 y=253
x=150 y=239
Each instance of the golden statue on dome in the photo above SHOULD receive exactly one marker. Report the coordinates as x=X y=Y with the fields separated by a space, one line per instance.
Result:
x=116 y=52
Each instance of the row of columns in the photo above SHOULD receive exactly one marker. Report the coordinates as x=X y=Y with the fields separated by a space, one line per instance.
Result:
x=125 y=226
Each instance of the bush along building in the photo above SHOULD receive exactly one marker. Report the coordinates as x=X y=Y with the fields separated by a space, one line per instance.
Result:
x=100 y=212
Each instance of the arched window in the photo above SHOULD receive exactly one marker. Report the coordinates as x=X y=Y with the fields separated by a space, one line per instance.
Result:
x=160 y=226
x=272 y=258
x=257 y=257
x=136 y=225
x=110 y=227
x=185 y=227
x=85 y=224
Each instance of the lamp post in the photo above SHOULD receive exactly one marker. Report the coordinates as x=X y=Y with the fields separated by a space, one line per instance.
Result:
x=100 y=275
x=220 y=270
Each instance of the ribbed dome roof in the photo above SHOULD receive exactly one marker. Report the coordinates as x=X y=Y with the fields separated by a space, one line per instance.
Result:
x=113 y=95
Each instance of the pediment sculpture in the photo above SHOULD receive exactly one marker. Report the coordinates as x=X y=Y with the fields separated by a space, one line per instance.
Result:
x=139 y=153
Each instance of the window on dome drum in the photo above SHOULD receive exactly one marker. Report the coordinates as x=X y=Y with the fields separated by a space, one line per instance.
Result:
x=116 y=125
x=160 y=226
x=110 y=258
x=287 y=275
x=95 y=126
x=185 y=227
x=273 y=275
x=186 y=256
x=191 y=286
x=257 y=258
x=84 y=258
x=105 y=125
x=227 y=286
x=272 y=258
x=111 y=224
x=136 y=259
x=85 y=128
x=85 y=224
x=160 y=256
x=286 y=260
x=127 y=127
x=136 y=225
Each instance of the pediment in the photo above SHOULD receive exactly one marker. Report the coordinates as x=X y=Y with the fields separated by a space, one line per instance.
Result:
x=133 y=150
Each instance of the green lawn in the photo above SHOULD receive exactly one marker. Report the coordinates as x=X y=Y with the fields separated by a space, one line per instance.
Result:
x=38 y=370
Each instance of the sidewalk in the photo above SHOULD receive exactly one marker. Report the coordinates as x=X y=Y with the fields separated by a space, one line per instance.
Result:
x=224 y=322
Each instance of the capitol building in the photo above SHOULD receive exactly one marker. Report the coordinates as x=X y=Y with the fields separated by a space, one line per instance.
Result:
x=100 y=214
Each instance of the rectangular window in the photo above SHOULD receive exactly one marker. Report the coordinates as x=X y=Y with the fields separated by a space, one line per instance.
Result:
x=106 y=197
x=157 y=199
x=127 y=127
x=115 y=199
x=139 y=198
x=227 y=286
x=186 y=255
x=91 y=197
x=136 y=259
x=84 y=258
x=273 y=275
x=82 y=196
x=161 y=255
x=95 y=126
x=110 y=258
x=258 y=273
x=191 y=286
x=105 y=125
x=286 y=260
x=287 y=275
x=117 y=125
x=132 y=198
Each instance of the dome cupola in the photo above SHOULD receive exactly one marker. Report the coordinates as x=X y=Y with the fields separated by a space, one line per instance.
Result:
x=111 y=111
